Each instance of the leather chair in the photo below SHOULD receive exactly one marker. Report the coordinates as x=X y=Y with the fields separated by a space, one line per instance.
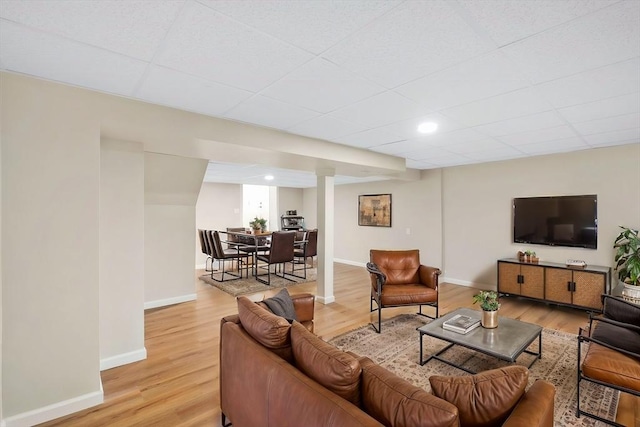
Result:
x=280 y=252
x=613 y=356
x=398 y=279
x=223 y=255
x=309 y=249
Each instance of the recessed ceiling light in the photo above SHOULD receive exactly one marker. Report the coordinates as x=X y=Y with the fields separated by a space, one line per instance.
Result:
x=268 y=177
x=427 y=127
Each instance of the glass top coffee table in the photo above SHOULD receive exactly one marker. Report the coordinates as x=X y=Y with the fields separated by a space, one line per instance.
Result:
x=508 y=341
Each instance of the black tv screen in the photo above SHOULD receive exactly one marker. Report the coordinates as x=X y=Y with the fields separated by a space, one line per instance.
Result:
x=556 y=221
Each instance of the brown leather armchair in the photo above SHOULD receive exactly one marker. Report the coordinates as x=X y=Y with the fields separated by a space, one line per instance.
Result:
x=613 y=356
x=398 y=279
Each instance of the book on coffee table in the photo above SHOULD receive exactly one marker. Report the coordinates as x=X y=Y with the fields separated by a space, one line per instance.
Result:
x=461 y=324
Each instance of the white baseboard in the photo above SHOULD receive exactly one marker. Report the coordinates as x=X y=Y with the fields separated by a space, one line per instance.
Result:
x=56 y=410
x=349 y=262
x=169 y=301
x=468 y=284
x=327 y=300
x=123 y=359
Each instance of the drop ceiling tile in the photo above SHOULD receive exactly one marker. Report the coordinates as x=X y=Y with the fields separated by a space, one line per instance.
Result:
x=475 y=79
x=311 y=25
x=521 y=124
x=461 y=136
x=214 y=47
x=613 y=80
x=368 y=139
x=321 y=86
x=55 y=58
x=133 y=28
x=409 y=128
x=502 y=153
x=607 y=36
x=268 y=112
x=326 y=127
x=608 y=124
x=453 y=160
x=542 y=135
x=507 y=21
x=614 y=138
x=557 y=146
x=615 y=106
x=175 y=89
x=510 y=105
x=379 y=110
x=416 y=38
x=487 y=144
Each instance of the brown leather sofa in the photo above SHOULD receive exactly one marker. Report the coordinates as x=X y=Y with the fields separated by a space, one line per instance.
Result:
x=273 y=373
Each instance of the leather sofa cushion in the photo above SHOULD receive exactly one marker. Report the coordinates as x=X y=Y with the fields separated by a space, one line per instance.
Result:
x=334 y=369
x=395 y=402
x=610 y=366
x=265 y=327
x=484 y=399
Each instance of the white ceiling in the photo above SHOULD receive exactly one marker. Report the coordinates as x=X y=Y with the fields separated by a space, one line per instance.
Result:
x=502 y=78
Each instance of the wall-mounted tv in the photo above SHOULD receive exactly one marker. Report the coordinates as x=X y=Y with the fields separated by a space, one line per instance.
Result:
x=557 y=221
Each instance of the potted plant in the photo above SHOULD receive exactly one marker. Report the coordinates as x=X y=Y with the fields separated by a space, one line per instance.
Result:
x=258 y=225
x=489 y=304
x=627 y=258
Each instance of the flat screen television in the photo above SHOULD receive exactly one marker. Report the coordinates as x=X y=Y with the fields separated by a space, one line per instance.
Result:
x=556 y=221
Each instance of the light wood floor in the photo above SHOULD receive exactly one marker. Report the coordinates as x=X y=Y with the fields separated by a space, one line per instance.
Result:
x=177 y=385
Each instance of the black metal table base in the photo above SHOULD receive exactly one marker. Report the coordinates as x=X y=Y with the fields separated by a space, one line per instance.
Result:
x=455 y=365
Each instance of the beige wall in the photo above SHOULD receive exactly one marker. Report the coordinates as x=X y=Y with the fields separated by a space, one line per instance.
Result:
x=460 y=218
x=477 y=206
x=219 y=206
x=289 y=199
x=121 y=253
x=50 y=214
x=171 y=186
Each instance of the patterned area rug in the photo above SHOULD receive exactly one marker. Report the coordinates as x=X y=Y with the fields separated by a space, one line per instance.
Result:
x=397 y=348
x=250 y=285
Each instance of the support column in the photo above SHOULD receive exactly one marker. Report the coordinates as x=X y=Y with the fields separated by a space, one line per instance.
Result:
x=325 y=203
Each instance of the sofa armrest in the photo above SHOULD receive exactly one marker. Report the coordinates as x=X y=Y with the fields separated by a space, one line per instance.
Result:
x=429 y=276
x=535 y=408
x=304 y=305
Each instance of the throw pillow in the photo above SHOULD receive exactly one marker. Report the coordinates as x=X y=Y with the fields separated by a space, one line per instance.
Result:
x=334 y=369
x=281 y=304
x=484 y=399
x=395 y=402
x=268 y=329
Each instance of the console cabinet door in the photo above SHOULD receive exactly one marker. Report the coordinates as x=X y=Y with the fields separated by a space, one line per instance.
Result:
x=557 y=287
x=589 y=288
x=533 y=281
x=508 y=278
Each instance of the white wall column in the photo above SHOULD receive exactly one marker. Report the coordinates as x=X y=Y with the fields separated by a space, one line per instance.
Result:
x=325 y=180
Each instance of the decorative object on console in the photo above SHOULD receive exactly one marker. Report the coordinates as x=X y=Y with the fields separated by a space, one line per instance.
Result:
x=489 y=304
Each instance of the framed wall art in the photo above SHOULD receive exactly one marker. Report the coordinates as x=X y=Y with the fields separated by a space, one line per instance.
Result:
x=374 y=210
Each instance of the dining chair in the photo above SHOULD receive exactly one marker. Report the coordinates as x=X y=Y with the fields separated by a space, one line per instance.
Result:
x=204 y=247
x=280 y=253
x=309 y=249
x=223 y=255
